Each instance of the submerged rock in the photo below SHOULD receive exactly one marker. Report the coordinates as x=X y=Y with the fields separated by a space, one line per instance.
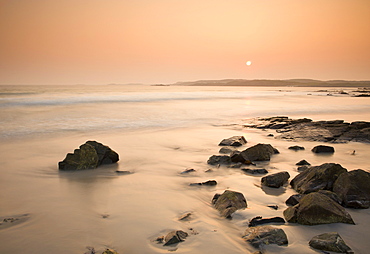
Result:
x=323 y=149
x=317 y=178
x=207 y=183
x=275 y=180
x=229 y=202
x=256 y=221
x=354 y=188
x=175 y=236
x=227 y=150
x=330 y=242
x=89 y=156
x=110 y=251
x=233 y=141
x=303 y=163
x=259 y=152
x=296 y=148
x=316 y=208
x=264 y=235
x=255 y=171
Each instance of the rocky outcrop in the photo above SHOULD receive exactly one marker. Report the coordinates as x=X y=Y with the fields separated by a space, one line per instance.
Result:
x=275 y=180
x=317 y=178
x=259 y=152
x=233 y=141
x=330 y=242
x=323 y=149
x=264 y=235
x=90 y=155
x=306 y=129
x=316 y=208
x=354 y=188
x=229 y=202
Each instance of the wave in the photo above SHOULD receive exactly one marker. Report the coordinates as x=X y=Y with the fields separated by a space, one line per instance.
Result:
x=122 y=98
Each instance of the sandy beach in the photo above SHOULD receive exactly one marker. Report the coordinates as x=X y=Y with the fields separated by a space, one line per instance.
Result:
x=68 y=211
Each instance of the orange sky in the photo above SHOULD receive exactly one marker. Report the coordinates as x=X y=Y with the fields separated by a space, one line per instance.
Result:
x=165 y=41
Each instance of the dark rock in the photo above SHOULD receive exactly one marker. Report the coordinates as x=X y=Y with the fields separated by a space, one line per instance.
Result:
x=123 y=172
x=275 y=207
x=233 y=141
x=187 y=171
x=316 y=208
x=353 y=188
x=293 y=200
x=175 y=236
x=236 y=157
x=110 y=251
x=236 y=165
x=89 y=156
x=227 y=150
x=259 y=152
x=323 y=149
x=90 y=250
x=270 y=135
x=207 y=183
x=317 y=178
x=219 y=160
x=296 y=148
x=256 y=221
x=275 y=180
x=255 y=171
x=330 y=242
x=228 y=202
x=264 y=235
x=303 y=163
x=185 y=216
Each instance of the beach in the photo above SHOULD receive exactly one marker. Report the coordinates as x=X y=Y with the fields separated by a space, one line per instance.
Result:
x=158 y=132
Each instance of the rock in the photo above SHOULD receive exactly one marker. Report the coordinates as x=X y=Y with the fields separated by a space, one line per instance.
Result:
x=303 y=163
x=175 y=236
x=89 y=156
x=185 y=216
x=293 y=200
x=270 y=135
x=187 y=171
x=275 y=207
x=259 y=152
x=110 y=251
x=123 y=172
x=333 y=196
x=233 y=141
x=219 y=160
x=317 y=178
x=90 y=250
x=227 y=150
x=260 y=235
x=237 y=157
x=302 y=168
x=296 y=148
x=353 y=188
x=207 y=183
x=228 y=202
x=256 y=221
x=323 y=149
x=236 y=165
x=275 y=180
x=255 y=171
x=316 y=208
x=330 y=242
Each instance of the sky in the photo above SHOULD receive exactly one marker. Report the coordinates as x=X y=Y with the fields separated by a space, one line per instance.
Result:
x=166 y=41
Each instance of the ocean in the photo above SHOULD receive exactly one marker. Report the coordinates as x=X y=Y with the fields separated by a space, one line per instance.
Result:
x=158 y=131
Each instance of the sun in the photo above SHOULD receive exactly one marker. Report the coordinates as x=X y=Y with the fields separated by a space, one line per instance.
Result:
x=248 y=63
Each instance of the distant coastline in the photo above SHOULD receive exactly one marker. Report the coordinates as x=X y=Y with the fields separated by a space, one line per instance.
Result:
x=266 y=82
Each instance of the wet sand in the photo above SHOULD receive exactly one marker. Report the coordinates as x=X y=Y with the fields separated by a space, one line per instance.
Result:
x=100 y=208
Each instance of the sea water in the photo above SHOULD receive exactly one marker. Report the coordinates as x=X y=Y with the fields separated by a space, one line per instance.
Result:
x=158 y=131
